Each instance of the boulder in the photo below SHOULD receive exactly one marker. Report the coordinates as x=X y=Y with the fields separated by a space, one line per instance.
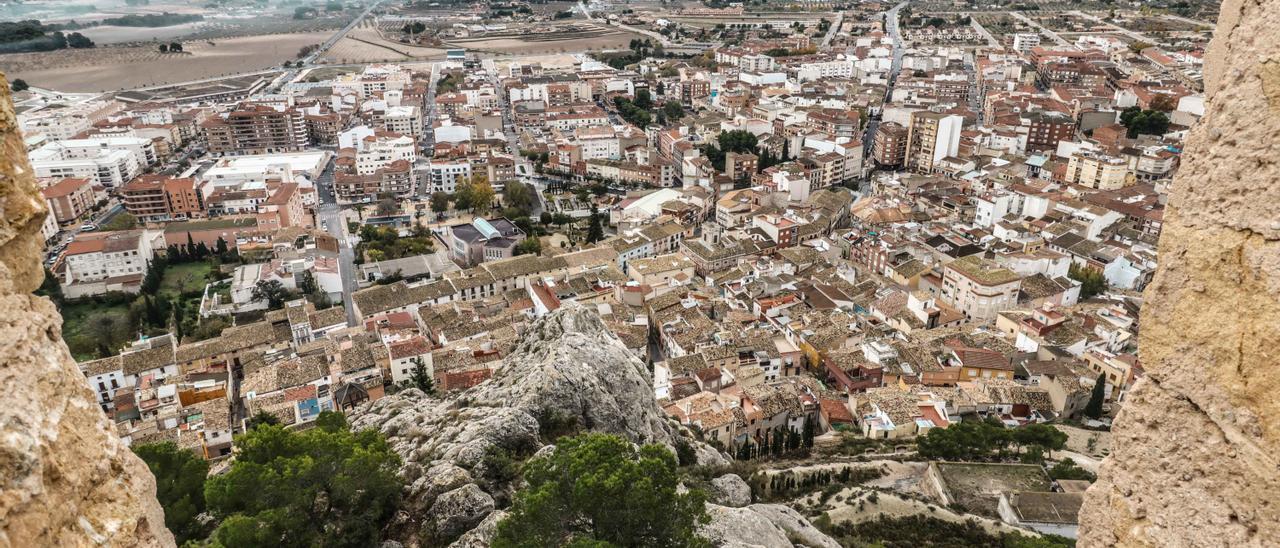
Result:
x=762 y=526
x=459 y=510
x=482 y=535
x=730 y=490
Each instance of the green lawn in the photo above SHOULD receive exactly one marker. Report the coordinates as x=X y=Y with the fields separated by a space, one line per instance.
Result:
x=184 y=278
x=80 y=339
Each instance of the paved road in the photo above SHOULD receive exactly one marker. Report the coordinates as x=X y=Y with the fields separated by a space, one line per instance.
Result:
x=330 y=217
x=1044 y=31
x=1116 y=28
x=895 y=66
x=991 y=40
x=835 y=27
x=308 y=61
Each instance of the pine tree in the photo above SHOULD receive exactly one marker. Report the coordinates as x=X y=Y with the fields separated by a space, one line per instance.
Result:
x=808 y=432
x=191 y=246
x=221 y=247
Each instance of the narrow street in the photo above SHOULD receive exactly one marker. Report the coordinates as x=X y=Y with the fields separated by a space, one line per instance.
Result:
x=330 y=217
x=895 y=66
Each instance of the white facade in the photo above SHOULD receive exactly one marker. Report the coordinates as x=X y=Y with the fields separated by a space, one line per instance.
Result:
x=119 y=254
x=376 y=153
x=830 y=69
x=1024 y=41
x=445 y=176
x=404 y=119
x=110 y=161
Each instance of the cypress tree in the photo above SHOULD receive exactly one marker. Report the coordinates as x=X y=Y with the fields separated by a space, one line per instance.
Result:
x=1094 y=409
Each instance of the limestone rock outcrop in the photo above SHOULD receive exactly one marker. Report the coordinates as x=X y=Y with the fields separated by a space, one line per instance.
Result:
x=730 y=490
x=762 y=526
x=1195 y=450
x=566 y=369
x=66 y=478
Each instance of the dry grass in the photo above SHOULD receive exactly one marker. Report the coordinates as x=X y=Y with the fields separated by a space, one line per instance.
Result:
x=116 y=68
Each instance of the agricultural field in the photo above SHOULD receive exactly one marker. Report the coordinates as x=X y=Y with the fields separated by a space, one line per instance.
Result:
x=126 y=67
x=581 y=36
x=365 y=44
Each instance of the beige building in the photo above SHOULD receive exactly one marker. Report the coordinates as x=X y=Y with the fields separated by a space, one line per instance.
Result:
x=932 y=137
x=979 y=288
x=1099 y=171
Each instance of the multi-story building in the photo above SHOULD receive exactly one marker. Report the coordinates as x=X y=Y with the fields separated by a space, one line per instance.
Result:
x=445 y=175
x=740 y=166
x=932 y=137
x=1024 y=41
x=691 y=90
x=62 y=121
x=257 y=129
x=108 y=161
x=68 y=199
x=381 y=163
x=283 y=209
x=372 y=81
x=979 y=288
x=483 y=240
x=581 y=117
x=1100 y=171
x=97 y=262
x=161 y=198
x=1045 y=129
x=890 y=146
x=836 y=123
x=597 y=142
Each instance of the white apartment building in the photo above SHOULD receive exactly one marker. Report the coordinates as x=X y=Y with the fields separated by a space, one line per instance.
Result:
x=373 y=80
x=1024 y=41
x=375 y=152
x=570 y=120
x=65 y=121
x=109 y=161
x=979 y=288
x=445 y=175
x=403 y=119
x=598 y=143
x=536 y=89
x=992 y=208
x=104 y=256
x=830 y=69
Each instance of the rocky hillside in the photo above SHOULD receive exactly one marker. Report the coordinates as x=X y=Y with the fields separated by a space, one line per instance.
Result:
x=66 y=479
x=1193 y=460
x=568 y=373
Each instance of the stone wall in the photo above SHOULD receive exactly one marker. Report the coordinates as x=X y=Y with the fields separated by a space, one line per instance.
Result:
x=1195 y=447
x=66 y=479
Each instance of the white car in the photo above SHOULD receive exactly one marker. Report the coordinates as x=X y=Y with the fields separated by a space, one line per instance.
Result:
x=88 y=227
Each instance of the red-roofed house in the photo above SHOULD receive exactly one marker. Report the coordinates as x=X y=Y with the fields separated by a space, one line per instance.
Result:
x=69 y=199
x=404 y=357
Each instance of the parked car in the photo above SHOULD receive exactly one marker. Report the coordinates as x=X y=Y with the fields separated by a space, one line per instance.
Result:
x=88 y=227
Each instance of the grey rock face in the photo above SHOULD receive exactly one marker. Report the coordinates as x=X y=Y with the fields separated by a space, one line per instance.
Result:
x=567 y=366
x=730 y=490
x=482 y=535
x=762 y=526
x=459 y=510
